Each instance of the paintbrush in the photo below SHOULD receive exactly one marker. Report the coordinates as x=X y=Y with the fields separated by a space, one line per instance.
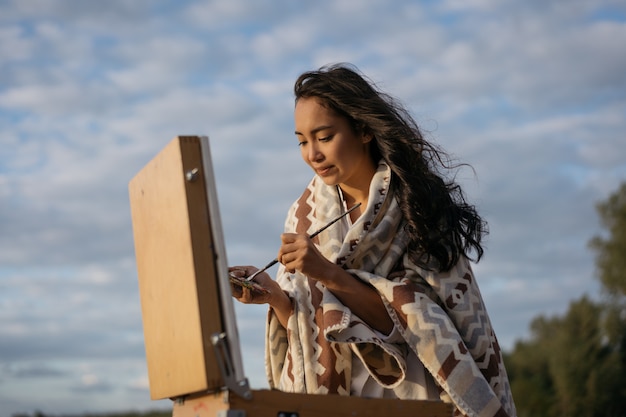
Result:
x=330 y=223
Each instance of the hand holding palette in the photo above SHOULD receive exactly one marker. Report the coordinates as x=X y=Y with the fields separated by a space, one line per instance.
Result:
x=243 y=282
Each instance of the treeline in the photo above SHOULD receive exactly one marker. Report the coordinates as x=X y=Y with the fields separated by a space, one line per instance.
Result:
x=575 y=365
x=167 y=413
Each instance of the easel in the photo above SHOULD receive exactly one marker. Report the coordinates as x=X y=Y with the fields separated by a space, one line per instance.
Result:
x=191 y=339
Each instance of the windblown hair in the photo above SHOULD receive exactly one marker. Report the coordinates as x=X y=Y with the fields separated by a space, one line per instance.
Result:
x=441 y=225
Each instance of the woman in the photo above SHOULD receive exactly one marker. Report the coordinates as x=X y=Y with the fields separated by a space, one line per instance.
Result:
x=383 y=303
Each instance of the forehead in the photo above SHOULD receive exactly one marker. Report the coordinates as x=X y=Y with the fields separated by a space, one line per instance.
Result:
x=310 y=110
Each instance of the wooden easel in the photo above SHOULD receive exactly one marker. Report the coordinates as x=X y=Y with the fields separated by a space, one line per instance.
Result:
x=191 y=340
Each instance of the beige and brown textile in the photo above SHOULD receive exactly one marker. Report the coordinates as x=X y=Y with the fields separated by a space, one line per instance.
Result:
x=441 y=316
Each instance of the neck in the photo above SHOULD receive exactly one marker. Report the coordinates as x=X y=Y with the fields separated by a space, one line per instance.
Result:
x=353 y=196
x=357 y=190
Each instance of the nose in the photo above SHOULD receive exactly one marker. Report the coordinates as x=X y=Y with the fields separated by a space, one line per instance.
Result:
x=314 y=152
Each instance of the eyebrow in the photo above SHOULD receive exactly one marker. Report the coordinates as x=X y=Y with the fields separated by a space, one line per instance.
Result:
x=317 y=129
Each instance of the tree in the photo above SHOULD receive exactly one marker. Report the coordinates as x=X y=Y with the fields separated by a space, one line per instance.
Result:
x=611 y=271
x=529 y=374
x=569 y=368
x=584 y=366
x=611 y=251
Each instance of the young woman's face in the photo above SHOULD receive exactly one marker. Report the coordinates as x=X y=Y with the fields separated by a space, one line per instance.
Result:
x=330 y=146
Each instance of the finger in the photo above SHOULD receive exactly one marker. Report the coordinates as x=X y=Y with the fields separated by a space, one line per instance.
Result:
x=237 y=273
x=288 y=237
x=281 y=255
x=248 y=295
x=241 y=271
x=236 y=290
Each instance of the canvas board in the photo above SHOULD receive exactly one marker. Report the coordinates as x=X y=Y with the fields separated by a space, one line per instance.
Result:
x=182 y=272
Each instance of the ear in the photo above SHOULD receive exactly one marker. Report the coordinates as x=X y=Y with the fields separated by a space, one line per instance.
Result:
x=367 y=137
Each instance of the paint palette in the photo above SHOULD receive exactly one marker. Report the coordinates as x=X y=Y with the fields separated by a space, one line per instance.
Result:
x=251 y=285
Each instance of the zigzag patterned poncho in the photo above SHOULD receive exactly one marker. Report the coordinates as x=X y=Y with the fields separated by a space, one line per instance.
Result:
x=441 y=316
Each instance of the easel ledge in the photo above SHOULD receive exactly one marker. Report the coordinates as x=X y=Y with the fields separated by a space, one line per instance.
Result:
x=270 y=403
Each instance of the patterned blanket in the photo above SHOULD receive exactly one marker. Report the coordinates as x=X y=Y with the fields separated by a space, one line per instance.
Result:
x=441 y=316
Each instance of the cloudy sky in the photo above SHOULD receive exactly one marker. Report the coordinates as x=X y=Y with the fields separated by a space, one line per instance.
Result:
x=532 y=94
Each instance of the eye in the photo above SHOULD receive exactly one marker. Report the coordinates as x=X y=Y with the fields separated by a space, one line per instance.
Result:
x=326 y=138
x=301 y=143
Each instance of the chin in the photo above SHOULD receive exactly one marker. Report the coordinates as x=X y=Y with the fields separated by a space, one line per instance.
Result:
x=329 y=180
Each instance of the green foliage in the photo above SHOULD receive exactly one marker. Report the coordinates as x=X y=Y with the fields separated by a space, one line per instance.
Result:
x=575 y=365
x=611 y=251
x=569 y=368
x=530 y=379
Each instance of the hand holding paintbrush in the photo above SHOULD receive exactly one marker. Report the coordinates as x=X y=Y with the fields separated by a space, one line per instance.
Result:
x=247 y=281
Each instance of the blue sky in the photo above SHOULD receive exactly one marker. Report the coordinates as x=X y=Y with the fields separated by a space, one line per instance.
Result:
x=531 y=94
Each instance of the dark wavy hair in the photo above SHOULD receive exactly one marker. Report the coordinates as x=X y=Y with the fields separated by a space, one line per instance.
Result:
x=441 y=225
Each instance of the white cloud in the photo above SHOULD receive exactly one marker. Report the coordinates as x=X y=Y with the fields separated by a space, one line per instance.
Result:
x=218 y=14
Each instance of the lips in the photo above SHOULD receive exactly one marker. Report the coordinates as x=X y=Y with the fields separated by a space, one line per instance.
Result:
x=323 y=171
